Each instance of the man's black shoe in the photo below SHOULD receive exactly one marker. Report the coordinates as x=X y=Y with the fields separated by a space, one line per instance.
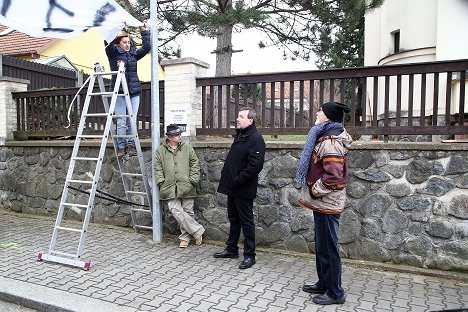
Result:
x=226 y=254
x=313 y=289
x=247 y=263
x=324 y=299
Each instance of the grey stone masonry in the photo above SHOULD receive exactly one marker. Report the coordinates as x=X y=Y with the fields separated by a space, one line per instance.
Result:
x=407 y=202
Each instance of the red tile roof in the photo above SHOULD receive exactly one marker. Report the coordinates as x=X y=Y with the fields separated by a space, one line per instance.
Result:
x=18 y=43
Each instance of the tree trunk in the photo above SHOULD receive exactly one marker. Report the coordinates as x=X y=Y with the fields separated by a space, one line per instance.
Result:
x=223 y=51
x=223 y=68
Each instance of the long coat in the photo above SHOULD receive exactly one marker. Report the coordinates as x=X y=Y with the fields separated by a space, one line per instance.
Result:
x=328 y=175
x=177 y=172
x=239 y=177
x=115 y=54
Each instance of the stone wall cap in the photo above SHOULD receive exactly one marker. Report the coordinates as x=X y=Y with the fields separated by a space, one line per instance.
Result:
x=185 y=60
x=222 y=142
x=17 y=80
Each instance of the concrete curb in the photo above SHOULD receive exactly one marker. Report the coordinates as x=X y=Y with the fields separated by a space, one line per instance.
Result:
x=52 y=300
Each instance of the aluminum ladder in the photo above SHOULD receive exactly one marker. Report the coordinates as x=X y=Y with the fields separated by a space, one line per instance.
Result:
x=136 y=186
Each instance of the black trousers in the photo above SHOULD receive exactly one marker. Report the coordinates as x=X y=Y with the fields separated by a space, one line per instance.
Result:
x=327 y=253
x=240 y=215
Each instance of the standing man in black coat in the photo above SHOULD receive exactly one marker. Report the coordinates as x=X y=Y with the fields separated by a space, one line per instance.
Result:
x=239 y=179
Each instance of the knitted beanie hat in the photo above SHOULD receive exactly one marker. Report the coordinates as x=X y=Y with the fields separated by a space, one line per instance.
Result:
x=335 y=111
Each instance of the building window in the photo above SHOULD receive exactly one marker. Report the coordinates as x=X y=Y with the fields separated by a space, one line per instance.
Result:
x=396 y=41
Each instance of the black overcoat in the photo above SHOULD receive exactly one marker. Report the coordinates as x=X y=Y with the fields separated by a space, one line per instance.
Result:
x=239 y=177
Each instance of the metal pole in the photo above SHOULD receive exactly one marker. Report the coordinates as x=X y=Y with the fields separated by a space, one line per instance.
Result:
x=157 y=213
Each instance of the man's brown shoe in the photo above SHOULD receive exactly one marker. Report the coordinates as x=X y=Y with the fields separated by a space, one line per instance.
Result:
x=198 y=241
x=183 y=244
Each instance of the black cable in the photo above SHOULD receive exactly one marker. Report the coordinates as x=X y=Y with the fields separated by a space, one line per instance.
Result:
x=109 y=197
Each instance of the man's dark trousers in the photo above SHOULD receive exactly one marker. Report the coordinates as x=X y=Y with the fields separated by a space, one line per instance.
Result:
x=327 y=253
x=240 y=215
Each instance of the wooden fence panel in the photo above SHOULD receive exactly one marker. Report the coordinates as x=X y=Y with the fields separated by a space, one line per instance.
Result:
x=385 y=100
x=40 y=76
x=44 y=114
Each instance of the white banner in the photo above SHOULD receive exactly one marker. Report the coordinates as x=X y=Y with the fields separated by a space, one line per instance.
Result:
x=65 y=18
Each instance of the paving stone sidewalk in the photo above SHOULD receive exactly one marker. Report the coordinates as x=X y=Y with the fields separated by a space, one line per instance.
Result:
x=131 y=273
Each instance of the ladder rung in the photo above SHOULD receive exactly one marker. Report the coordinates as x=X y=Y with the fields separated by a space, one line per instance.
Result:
x=102 y=93
x=69 y=229
x=76 y=205
x=124 y=136
x=141 y=210
x=91 y=136
x=106 y=73
x=116 y=116
x=135 y=192
x=96 y=114
x=85 y=158
x=144 y=227
x=62 y=254
x=131 y=174
x=80 y=181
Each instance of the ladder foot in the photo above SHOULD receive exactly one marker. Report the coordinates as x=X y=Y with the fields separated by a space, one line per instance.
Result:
x=87 y=265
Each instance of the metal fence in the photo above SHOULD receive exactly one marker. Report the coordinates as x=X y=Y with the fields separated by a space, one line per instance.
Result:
x=410 y=99
x=44 y=114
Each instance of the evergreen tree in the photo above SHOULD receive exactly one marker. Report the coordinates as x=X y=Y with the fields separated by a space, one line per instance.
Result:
x=340 y=32
x=332 y=29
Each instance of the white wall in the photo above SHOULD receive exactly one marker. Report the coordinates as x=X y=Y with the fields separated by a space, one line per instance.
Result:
x=372 y=38
x=416 y=20
x=452 y=30
x=430 y=30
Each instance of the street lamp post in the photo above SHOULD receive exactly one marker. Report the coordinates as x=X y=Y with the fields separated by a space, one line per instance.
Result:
x=155 y=132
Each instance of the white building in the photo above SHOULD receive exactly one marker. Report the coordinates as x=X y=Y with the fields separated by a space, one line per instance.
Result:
x=414 y=31
x=403 y=31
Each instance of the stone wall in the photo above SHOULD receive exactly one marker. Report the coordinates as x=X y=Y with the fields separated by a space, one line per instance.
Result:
x=407 y=202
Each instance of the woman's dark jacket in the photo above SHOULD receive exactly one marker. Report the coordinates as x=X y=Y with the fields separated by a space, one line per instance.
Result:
x=115 y=54
x=239 y=177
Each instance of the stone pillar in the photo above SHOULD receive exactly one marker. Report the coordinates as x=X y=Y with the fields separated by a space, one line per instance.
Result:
x=8 y=106
x=182 y=97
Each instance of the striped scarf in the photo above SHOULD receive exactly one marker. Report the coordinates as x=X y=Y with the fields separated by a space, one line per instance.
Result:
x=315 y=133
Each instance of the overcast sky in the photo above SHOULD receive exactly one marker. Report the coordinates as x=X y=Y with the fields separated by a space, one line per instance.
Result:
x=251 y=60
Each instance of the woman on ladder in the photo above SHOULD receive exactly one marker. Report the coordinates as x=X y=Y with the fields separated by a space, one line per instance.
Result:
x=122 y=49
